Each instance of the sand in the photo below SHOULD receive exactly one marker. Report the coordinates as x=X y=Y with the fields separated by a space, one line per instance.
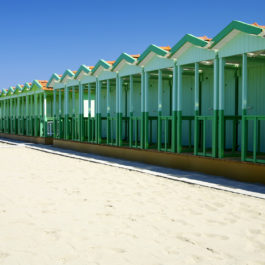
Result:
x=59 y=210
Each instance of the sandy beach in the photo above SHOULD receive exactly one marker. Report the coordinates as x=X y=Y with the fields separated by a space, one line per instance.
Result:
x=59 y=210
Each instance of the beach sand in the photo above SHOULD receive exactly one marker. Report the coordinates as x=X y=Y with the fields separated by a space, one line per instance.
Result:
x=59 y=210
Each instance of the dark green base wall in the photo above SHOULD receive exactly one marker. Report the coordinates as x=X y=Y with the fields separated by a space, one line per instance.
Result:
x=243 y=171
x=31 y=139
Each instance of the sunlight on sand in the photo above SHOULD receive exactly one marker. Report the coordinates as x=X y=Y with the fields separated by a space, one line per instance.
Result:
x=58 y=210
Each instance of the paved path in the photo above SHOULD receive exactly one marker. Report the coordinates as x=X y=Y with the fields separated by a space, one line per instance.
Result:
x=220 y=183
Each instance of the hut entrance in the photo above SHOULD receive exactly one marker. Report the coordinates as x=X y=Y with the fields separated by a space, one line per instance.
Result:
x=111 y=111
x=205 y=106
x=130 y=109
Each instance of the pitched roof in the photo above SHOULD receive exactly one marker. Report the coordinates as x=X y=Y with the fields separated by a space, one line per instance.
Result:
x=205 y=38
x=257 y=25
x=166 y=48
x=239 y=26
x=161 y=51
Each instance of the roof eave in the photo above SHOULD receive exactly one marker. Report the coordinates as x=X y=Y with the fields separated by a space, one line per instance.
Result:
x=188 y=38
x=152 y=48
x=236 y=25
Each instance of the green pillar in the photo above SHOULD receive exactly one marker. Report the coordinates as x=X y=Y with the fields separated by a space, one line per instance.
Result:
x=35 y=114
x=40 y=116
x=89 y=112
x=244 y=107
x=27 y=114
x=142 y=108
x=159 y=110
x=215 y=108
x=117 y=109
x=81 y=112
x=11 y=115
x=73 y=113
x=44 y=109
x=120 y=111
x=221 y=107
x=54 y=114
x=60 y=113
x=196 y=108
x=179 y=110
x=131 y=114
x=24 y=116
x=66 y=113
x=98 y=112
x=32 y=115
x=108 y=113
x=18 y=116
x=146 y=114
x=174 y=107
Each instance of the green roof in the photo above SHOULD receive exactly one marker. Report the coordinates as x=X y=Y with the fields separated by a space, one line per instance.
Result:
x=82 y=68
x=236 y=25
x=152 y=48
x=124 y=56
x=188 y=38
x=102 y=63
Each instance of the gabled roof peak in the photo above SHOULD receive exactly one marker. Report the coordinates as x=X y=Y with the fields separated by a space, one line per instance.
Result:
x=257 y=25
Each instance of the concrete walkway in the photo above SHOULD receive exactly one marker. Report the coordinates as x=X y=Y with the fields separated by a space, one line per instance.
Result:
x=220 y=183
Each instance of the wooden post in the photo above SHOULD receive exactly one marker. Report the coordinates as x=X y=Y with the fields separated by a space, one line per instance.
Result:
x=244 y=107
x=221 y=107
x=159 y=109
x=146 y=110
x=179 y=110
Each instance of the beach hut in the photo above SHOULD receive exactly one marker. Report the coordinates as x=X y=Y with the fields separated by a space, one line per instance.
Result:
x=17 y=119
x=25 y=114
x=241 y=91
x=80 y=100
x=87 y=87
x=103 y=78
x=157 y=98
x=197 y=88
x=58 y=103
x=129 y=103
x=10 y=112
x=3 y=110
x=42 y=108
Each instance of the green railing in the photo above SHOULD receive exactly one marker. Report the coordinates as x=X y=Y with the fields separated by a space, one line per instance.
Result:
x=1 y=125
x=124 y=137
x=112 y=130
x=59 y=127
x=201 y=134
x=256 y=155
x=49 y=127
x=165 y=143
x=91 y=130
x=152 y=121
x=190 y=120
x=135 y=132
x=235 y=121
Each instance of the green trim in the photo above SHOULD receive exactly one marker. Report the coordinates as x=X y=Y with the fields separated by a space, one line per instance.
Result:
x=18 y=89
x=82 y=68
x=123 y=56
x=36 y=83
x=54 y=76
x=188 y=38
x=67 y=72
x=151 y=48
x=102 y=63
x=10 y=90
x=238 y=25
x=26 y=87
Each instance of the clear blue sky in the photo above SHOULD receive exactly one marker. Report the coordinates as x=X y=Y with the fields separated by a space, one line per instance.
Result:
x=40 y=37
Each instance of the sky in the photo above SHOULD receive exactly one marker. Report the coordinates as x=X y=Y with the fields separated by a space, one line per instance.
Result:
x=39 y=38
